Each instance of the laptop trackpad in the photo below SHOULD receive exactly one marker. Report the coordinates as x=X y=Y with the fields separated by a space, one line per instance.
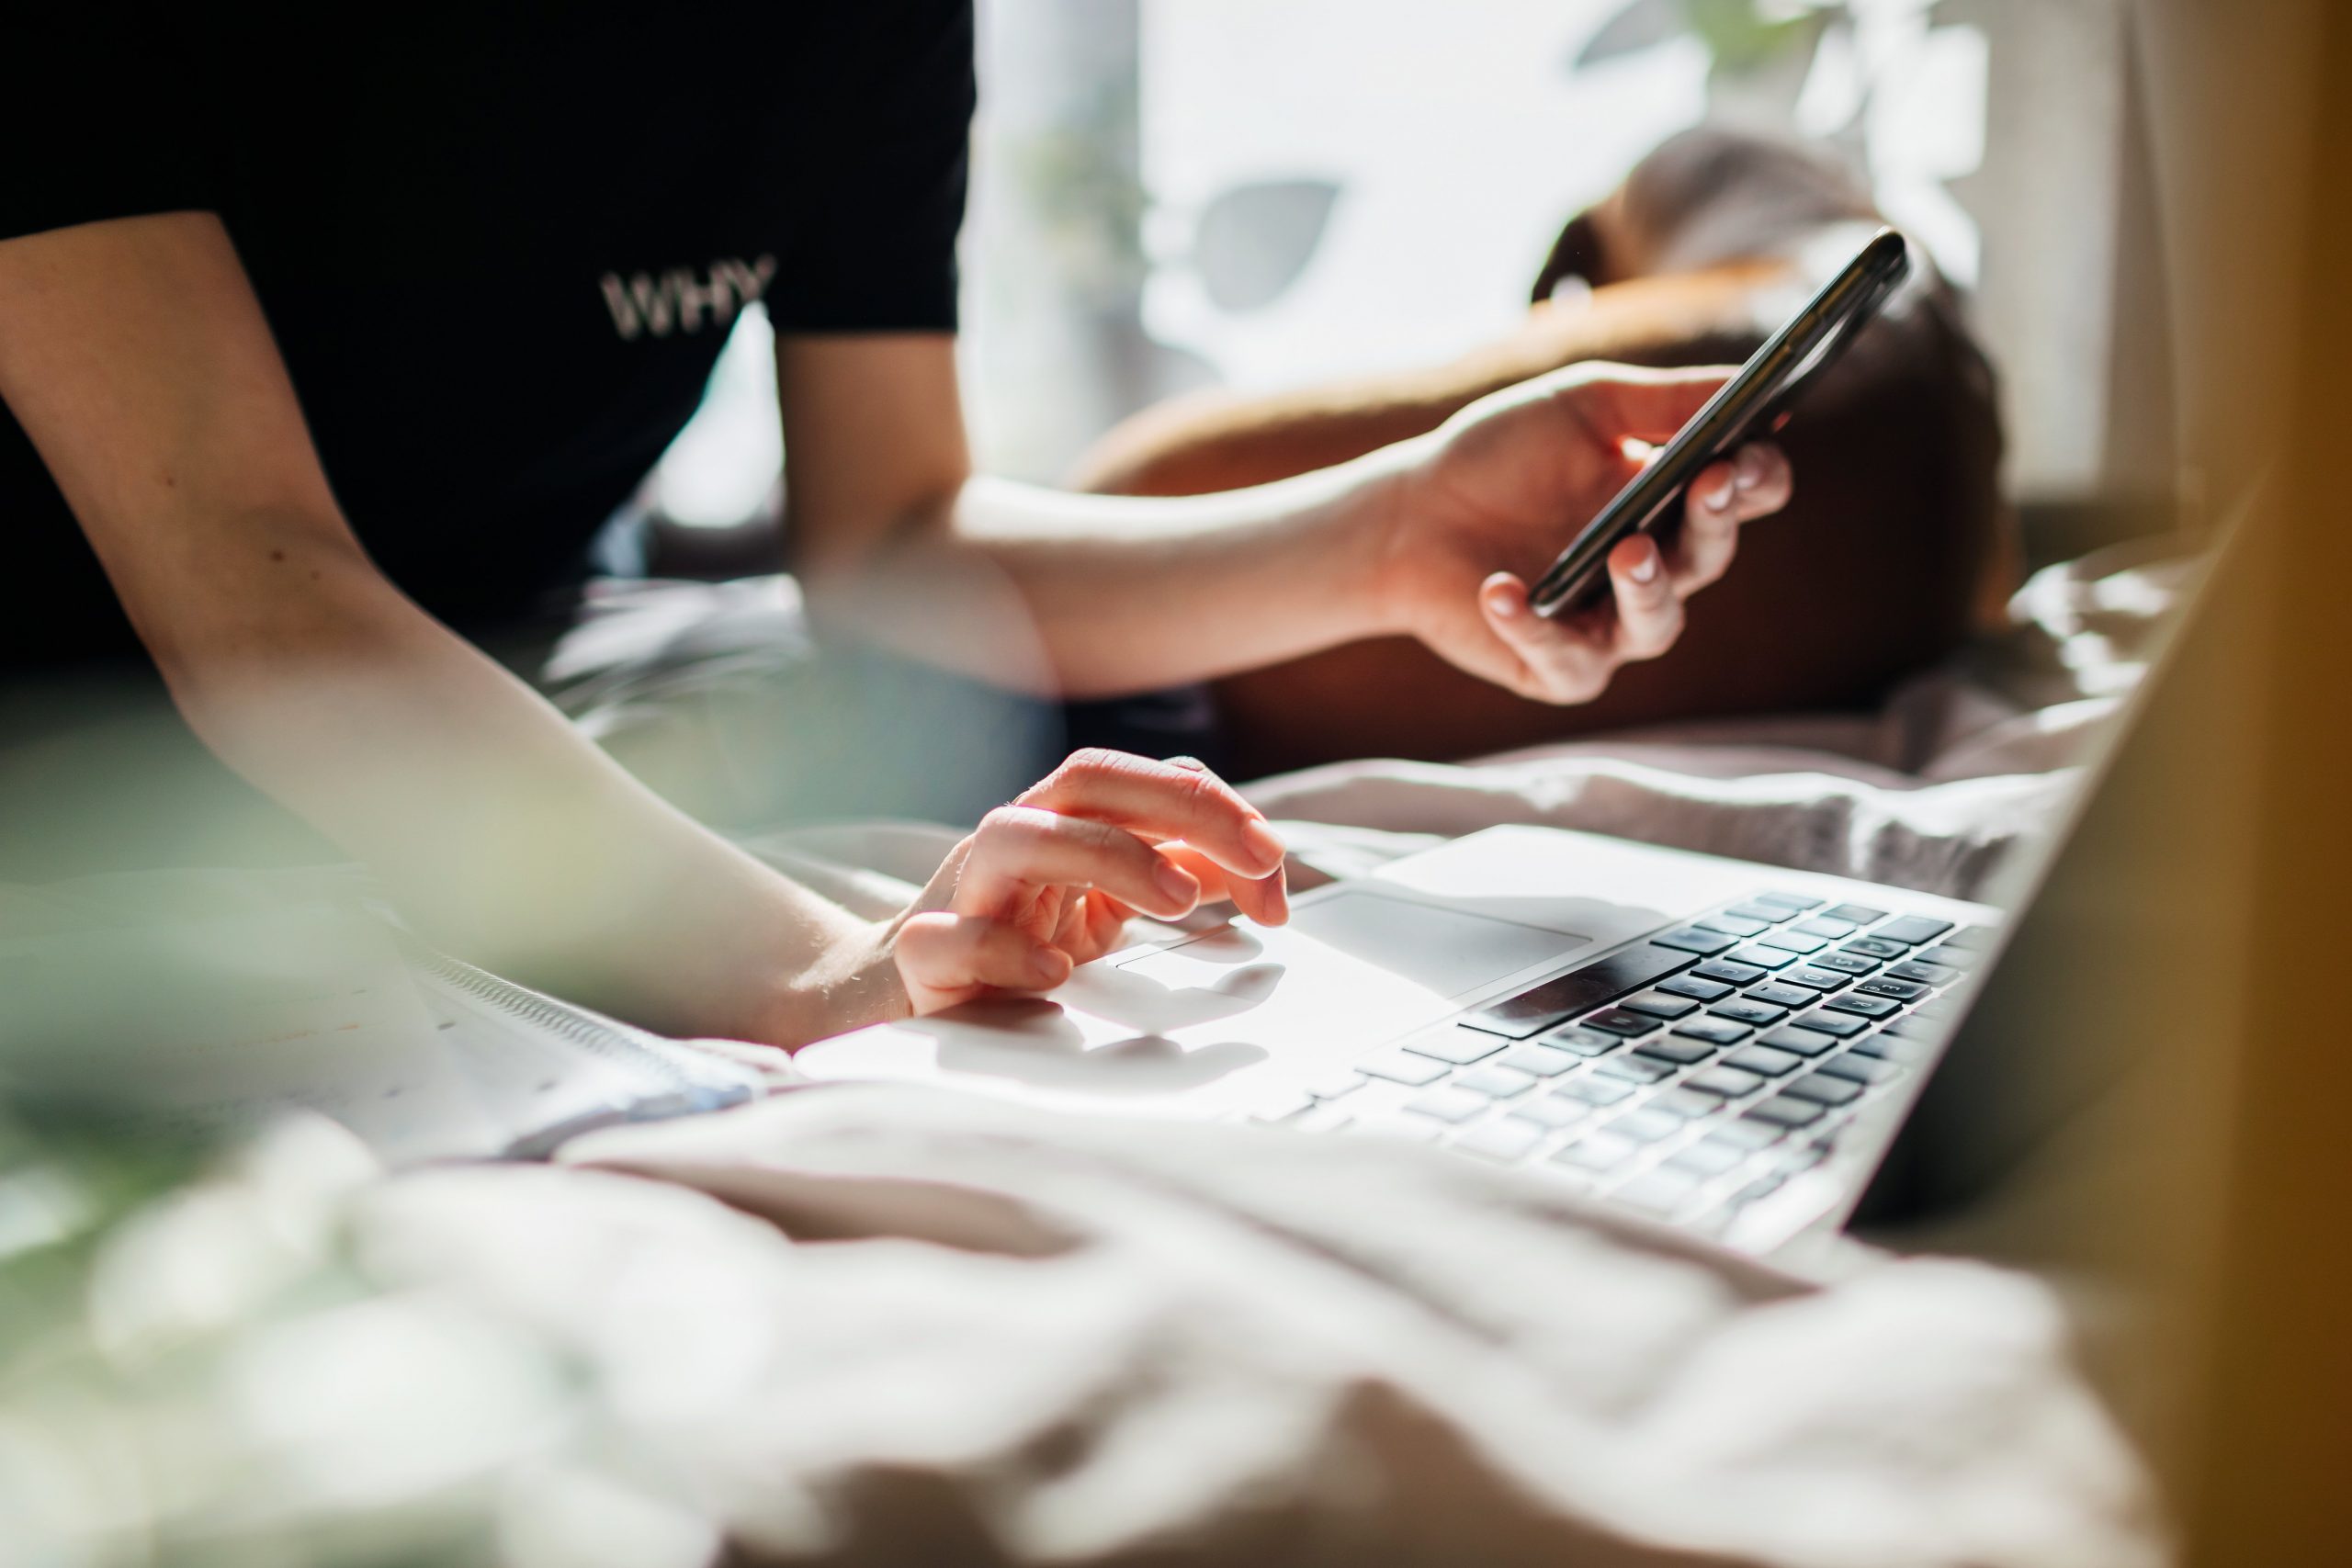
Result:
x=1445 y=952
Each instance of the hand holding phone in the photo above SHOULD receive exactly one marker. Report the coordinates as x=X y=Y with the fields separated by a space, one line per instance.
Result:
x=1754 y=402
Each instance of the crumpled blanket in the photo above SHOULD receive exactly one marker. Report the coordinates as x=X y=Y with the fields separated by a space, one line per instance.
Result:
x=928 y=1328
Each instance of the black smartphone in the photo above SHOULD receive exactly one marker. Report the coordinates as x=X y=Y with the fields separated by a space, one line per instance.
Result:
x=1758 y=395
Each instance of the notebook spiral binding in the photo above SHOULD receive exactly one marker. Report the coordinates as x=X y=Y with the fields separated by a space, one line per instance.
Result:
x=613 y=1041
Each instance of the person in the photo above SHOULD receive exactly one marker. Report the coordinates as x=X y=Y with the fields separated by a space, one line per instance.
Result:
x=323 y=363
x=1899 y=550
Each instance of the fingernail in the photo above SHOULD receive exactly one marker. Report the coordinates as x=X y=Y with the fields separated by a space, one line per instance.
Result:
x=1262 y=842
x=1747 y=472
x=1645 y=569
x=1503 y=604
x=1050 y=966
x=1176 y=882
x=1194 y=763
x=1718 y=498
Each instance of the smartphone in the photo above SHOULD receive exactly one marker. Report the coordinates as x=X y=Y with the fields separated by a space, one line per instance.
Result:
x=1758 y=396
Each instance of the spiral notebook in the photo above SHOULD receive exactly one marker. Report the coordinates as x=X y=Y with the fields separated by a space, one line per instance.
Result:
x=209 y=1014
x=545 y=1070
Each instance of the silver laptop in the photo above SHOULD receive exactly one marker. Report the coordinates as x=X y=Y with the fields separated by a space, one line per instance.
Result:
x=1713 y=1043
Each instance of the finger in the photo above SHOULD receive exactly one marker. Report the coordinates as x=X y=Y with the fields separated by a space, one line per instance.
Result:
x=1766 y=482
x=945 y=959
x=1649 y=611
x=1620 y=401
x=1163 y=800
x=1021 y=848
x=1710 y=532
x=1092 y=925
x=1263 y=899
x=1562 y=660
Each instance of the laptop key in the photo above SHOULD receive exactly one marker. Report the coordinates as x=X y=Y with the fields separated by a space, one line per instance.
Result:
x=1617 y=1020
x=1714 y=1031
x=1634 y=1069
x=1768 y=1060
x=1771 y=914
x=1951 y=957
x=1842 y=963
x=1969 y=939
x=1698 y=990
x=1402 y=1066
x=1862 y=1067
x=1763 y=957
x=1558 y=999
x=1827 y=927
x=1887 y=1047
x=1595 y=1092
x=1813 y=979
x=1781 y=1112
x=1789 y=900
x=1920 y=972
x=1825 y=1088
x=1583 y=1041
x=1336 y=1086
x=1551 y=1111
x=1900 y=990
x=1495 y=1082
x=1459 y=1047
x=1872 y=947
x=1598 y=1151
x=1324 y=1118
x=1539 y=1061
x=1730 y=973
x=1448 y=1104
x=1861 y=1006
x=1725 y=1082
x=1755 y=1014
x=1710 y=1156
x=1645 y=1125
x=1685 y=1103
x=1860 y=914
x=1791 y=941
x=1504 y=1141
x=1803 y=1042
x=1912 y=931
x=1657 y=1006
x=1779 y=995
x=1747 y=1133
x=1674 y=1053
x=1734 y=925
x=1837 y=1025
x=1691 y=939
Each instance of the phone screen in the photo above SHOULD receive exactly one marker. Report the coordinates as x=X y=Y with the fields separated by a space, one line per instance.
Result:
x=1762 y=391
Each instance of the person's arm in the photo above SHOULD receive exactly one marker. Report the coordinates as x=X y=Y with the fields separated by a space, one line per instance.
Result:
x=135 y=355
x=1092 y=596
x=1222 y=439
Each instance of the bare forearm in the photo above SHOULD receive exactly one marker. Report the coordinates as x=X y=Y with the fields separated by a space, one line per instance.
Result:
x=1087 y=595
x=494 y=825
x=1219 y=439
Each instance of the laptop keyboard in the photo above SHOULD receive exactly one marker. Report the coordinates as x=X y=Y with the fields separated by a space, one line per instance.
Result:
x=1688 y=1074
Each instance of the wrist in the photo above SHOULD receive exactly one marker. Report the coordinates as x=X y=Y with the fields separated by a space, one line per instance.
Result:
x=852 y=983
x=1382 y=513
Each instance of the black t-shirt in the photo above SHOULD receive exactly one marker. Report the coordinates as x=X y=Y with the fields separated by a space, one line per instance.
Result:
x=500 y=246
